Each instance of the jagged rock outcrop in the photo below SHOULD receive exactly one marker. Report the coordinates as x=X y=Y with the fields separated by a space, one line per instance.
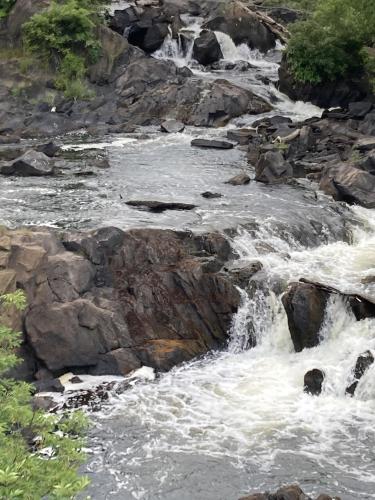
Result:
x=206 y=48
x=109 y=301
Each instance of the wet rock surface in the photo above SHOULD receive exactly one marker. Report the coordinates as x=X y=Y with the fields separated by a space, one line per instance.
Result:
x=313 y=381
x=110 y=301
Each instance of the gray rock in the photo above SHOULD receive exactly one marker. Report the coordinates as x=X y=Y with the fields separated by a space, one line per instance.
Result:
x=31 y=163
x=172 y=126
x=272 y=168
x=206 y=48
x=210 y=195
x=239 y=180
x=363 y=363
x=241 y=135
x=350 y=184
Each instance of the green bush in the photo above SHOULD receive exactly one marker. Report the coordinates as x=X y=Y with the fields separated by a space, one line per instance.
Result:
x=39 y=453
x=330 y=43
x=5 y=7
x=63 y=37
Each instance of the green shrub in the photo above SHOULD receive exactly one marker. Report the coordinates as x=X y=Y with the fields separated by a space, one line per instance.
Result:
x=6 y=7
x=63 y=37
x=329 y=45
x=39 y=453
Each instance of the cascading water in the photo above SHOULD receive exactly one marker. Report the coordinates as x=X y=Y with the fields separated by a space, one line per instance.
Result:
x=239 y=420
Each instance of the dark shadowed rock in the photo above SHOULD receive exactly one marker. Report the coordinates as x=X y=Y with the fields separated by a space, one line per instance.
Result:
x=32 y=163
x=211 y=143
x=123 y=18
x=272 y=168
x=50 y=149
x=363 y=363
x=239 y=180
x=210 y=195
x=305 y=306
x=160 y=206
x=118 y=362
x=148 y=36
x=350 y=184
x=359 y=109
x=51 y=385
x=292 y=492
x=172 y=126
x=206 y=48
x=313 y=381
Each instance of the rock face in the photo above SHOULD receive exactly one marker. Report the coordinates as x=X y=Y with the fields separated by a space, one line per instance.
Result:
x=313 y=381
x=172 y=127
x=206 y=48
x=348 y=183
x=363 y=363
x=32 y=163
x=305 y=306
x=110 y=301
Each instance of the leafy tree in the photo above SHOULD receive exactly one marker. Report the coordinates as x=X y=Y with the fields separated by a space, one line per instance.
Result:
x=64 y=38
x=330 y=43
x=39 y=453
x=5 y=7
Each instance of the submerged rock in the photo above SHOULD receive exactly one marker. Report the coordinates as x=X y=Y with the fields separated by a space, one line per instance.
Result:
x=239 y=180
x=210 y=195
x=211 y=143
x=32 y=163
x=292 y=492
x=160 y=206
x=313 y=381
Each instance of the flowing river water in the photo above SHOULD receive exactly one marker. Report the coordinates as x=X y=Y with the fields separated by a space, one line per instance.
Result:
x=238 y=420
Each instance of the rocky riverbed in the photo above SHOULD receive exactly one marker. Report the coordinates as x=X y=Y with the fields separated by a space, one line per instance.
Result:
x=198 y=254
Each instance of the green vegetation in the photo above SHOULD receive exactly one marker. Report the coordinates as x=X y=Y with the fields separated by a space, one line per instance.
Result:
x=5 y=7
x=39 y=453
x=64 y=38
x=331 y=43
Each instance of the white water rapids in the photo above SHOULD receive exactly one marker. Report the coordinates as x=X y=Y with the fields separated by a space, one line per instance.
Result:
x=238 y=420
x=246 y=409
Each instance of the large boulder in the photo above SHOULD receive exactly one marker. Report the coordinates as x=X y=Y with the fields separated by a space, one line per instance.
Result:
x=31 y=163
x=110 y=301
x=272 y=168
x=206 y=48
x=113 y=47
x=123 y=18
x=291 y=492
x=148 y=36
x=22 y=11
x=243 y=26
x=305 y=306
x=348 y=183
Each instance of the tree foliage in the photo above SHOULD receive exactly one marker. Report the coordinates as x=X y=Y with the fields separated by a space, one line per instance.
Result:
x=64 y=37
x=5 y=7
x=331 y=43
x=39 y=453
